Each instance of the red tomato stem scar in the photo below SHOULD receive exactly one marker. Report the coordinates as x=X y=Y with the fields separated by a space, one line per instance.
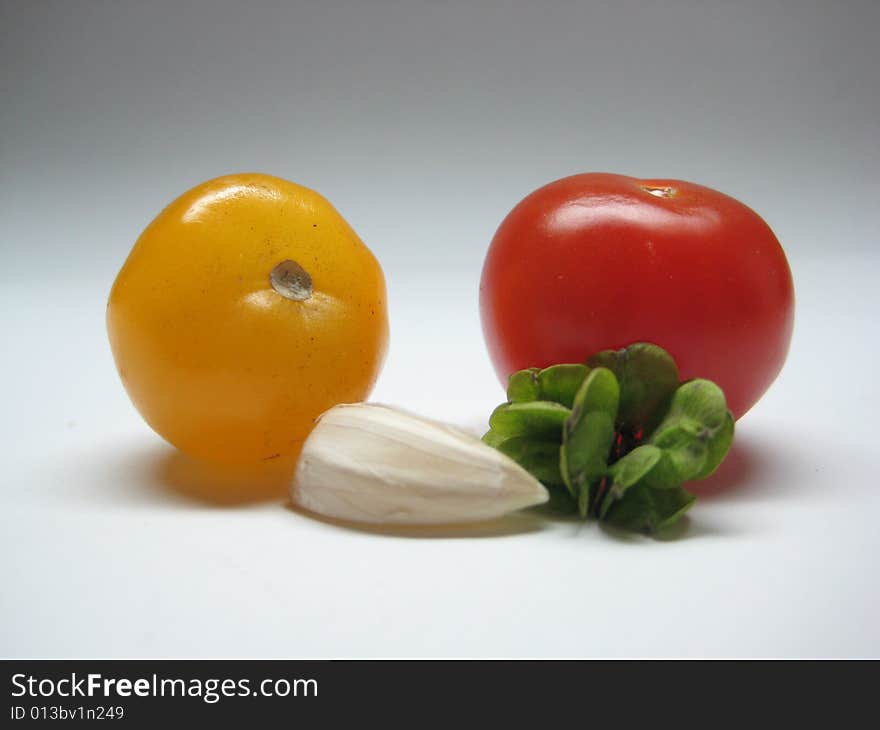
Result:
x=660 y=191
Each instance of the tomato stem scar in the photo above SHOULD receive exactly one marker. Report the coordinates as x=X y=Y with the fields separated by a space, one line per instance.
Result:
x=291 y=280
x=660 y=191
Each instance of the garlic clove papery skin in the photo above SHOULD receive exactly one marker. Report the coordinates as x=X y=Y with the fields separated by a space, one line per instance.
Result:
x=376 y=464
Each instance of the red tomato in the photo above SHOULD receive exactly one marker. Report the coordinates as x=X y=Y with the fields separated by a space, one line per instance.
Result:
x=598 y=261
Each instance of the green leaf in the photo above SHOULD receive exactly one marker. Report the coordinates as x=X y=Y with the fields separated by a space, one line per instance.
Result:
x=560 y=383
x=523 y=387
x=648 y=510
x=599 y=392
x=583 y=500
x=584 y=453
x=629 y=471
x=589 y=432
x=694 y=435
x=718 y=447
x=541 y=419
x=631 y=468
x=648 y=377
x=563 y=423
x=665 y=474
x=684 y=454
x=539 y=458
x=560 y=499
x=697 y=400
x=493 y=439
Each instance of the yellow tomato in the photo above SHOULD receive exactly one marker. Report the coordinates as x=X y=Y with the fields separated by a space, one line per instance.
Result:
x=246 y=309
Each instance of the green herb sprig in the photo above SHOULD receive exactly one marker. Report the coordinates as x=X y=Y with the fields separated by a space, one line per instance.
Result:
x=617 y=437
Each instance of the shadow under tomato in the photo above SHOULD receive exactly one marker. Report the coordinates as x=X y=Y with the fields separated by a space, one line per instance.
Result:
x=222 y=485
x=164 y=475
x=508 y=525
x=159 y=475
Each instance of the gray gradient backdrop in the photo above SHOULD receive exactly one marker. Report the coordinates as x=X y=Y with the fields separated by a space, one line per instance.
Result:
x=424 y=123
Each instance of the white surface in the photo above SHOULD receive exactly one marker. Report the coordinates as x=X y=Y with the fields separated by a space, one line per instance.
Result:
x=424 y=123
x=106 y=554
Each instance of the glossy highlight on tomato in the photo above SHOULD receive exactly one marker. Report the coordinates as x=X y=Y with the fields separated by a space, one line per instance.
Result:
x=598 y=261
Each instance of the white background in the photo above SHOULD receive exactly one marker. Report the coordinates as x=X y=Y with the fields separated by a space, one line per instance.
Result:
x=424 y=126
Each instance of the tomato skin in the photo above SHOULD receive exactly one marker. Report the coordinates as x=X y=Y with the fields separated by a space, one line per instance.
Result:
x=598 y=261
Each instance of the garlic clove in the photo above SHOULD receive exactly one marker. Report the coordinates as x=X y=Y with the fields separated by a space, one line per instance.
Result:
x=372 y=463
